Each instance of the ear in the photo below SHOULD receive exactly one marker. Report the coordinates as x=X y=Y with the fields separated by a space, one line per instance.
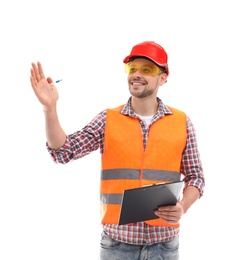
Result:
x=163 y=79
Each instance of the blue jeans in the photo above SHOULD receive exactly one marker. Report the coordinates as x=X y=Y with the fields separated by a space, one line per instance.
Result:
x=114 y=250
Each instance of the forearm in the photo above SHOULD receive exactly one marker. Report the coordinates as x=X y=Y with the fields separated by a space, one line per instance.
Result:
x=55 y=135
x=190 y=195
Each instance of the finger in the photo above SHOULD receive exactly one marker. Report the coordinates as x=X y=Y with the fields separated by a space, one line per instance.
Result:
x=167 y=209
x=33 y=78
x=32 y=81
x=40 y=70
x=33 y=84
x=49 y=80
x=35 y=72
x=169 y=219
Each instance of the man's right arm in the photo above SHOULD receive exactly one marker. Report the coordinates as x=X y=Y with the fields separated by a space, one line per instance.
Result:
x=55 y=135
x=47 y=94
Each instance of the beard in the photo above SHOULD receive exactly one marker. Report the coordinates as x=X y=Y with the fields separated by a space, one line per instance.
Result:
x=143 y=94
x=146 y=91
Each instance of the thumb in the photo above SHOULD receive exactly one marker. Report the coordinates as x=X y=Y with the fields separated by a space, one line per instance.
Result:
x=49 y=80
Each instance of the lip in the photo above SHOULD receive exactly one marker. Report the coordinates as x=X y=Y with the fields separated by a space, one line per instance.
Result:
x=137 y=83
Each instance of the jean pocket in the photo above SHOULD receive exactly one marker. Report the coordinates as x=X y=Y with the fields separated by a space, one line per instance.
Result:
x=108 y=242
x=171 y=245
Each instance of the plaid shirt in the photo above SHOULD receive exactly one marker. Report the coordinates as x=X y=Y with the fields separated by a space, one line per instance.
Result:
x=91 y=137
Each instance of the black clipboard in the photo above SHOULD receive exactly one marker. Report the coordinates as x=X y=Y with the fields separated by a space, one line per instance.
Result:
x=139 y=204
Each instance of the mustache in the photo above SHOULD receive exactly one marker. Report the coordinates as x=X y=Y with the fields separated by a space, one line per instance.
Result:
x=137 y=80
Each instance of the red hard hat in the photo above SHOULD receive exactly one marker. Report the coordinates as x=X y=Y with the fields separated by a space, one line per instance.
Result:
x=152 y=51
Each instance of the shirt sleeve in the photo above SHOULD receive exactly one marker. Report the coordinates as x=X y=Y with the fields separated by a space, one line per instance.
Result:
x=81 y=142
x=191 y=165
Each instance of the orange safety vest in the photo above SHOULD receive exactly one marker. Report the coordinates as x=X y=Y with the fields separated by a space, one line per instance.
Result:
x=126 y=164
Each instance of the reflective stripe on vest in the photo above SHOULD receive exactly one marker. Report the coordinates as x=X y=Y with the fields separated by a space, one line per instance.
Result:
x=149 y=176
x=125 y=163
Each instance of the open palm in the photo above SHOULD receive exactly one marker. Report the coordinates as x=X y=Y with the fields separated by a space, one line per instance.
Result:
x=46 y=93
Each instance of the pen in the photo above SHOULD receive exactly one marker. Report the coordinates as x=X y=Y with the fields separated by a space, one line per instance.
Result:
x=55 y=82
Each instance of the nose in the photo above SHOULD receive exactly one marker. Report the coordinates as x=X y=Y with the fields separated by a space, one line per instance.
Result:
x=137 y=74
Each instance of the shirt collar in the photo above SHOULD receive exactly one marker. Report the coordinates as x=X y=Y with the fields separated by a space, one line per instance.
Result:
x=162 y=109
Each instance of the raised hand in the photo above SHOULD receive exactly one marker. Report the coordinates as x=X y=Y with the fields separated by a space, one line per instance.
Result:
x=43 y=88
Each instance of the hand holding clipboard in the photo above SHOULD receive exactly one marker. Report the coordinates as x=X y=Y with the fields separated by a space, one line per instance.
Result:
x=139 y=204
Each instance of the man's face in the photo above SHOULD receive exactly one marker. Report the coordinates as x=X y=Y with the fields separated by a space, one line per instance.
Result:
x=144 y=78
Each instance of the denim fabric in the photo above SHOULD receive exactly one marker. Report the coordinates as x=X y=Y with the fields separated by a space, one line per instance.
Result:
x=114 y=250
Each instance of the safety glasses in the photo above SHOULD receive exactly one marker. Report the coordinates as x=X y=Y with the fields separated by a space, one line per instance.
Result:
x=145 y=68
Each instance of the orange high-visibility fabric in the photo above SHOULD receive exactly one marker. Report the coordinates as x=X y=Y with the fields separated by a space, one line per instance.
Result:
x=123 y=149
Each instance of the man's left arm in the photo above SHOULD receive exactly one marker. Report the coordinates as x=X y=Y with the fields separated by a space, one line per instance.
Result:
x=173 y=214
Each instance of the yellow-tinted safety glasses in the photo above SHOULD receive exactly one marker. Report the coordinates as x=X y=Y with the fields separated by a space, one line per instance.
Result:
x=145 y=68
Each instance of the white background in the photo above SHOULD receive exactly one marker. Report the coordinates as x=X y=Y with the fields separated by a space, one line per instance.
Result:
x=50 y=211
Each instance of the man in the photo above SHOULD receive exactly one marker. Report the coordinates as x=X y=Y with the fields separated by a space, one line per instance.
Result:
x=141 y=142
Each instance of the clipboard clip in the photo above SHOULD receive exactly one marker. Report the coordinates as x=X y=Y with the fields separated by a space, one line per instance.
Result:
x=154 y=184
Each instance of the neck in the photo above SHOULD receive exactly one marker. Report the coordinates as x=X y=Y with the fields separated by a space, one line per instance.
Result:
x=144 y=106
